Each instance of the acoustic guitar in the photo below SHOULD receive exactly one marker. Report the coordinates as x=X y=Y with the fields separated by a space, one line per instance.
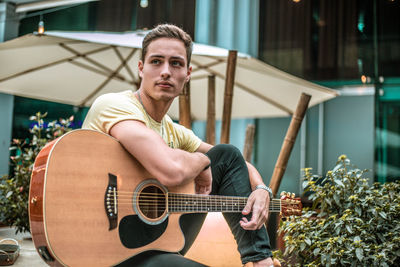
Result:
x=92 y=204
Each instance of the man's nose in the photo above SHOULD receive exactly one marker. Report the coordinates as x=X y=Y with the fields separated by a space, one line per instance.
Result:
x=165 y=70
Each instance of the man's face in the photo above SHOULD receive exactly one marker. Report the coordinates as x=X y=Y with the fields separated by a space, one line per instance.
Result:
x=164 y=71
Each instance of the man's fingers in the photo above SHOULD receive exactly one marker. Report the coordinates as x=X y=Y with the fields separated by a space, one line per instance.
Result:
x=259 y=214
x=256 y=219
x=248 y=207
x=246 y=225
x=255 y=216
x=203 y=190
x=262 y=219
x=207 y=190
x=204 y=182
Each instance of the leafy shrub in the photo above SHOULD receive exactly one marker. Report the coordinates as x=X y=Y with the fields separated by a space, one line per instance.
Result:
x=349 y=224
x=14 y=189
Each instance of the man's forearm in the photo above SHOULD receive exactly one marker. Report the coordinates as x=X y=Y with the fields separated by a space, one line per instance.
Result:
x=190 y=164
x=254 y=176
x=170 y=166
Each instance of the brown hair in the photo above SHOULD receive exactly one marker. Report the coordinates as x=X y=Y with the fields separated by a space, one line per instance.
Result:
x=168 y=31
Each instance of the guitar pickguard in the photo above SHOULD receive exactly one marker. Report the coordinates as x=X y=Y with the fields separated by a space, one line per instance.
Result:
x=135 y=233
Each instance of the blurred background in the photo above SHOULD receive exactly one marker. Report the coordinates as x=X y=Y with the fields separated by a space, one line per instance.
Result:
x=352 y=46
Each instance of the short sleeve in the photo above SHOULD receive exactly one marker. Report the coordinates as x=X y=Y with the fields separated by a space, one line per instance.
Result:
x=187 y=140
x=109 y=109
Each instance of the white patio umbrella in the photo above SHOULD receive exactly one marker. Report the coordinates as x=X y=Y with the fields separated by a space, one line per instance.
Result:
x=76 y=67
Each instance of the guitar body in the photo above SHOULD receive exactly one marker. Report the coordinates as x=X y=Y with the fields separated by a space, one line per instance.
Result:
x=69 y=215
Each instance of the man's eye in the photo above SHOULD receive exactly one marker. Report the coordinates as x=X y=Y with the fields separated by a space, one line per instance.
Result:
x=176 y=63
x=155 y=61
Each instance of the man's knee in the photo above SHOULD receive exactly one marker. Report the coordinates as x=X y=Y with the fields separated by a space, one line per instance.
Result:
x=229 y=170
x=226 y=148
x=225 y=152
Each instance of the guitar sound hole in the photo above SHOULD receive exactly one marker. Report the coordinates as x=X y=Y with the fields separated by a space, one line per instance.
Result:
x=152 y=202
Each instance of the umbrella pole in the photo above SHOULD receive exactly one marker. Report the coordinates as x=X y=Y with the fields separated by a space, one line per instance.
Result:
x=249 y=142
x=184 y=107
x=288 y=142
x=210 y=130
x=228 y=97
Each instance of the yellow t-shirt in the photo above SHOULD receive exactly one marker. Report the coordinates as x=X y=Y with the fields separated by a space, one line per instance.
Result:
x=109 y=109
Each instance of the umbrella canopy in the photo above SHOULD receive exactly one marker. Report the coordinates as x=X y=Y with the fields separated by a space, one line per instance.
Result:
x=76 y=67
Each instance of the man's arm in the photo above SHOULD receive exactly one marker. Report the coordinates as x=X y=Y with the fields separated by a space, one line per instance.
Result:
x=258 y=202
x=170 y=166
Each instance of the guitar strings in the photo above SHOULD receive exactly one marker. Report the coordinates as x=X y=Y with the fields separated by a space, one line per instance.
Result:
x=194 y=209
x=199 y=207
x=188 y=201
x=177 y=210
x=130 y=194
x=189 y=204
x=188 y=196
x=196 y=200
x=159 y=202
x=193 y=201
x=190 y=208
x=172 y=193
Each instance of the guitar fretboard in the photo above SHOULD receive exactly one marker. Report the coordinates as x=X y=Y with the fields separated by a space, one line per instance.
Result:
x=186 y=203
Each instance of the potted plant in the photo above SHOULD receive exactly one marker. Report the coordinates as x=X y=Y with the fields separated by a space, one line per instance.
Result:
x=14 y=189
x=349 y=224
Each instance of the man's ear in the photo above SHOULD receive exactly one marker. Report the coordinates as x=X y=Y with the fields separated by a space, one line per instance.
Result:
x=188 y=74
x=140 y=67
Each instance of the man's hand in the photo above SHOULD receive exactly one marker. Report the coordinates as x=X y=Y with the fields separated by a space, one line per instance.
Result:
x=266 y=263
x=258 y=204
x=203 y=182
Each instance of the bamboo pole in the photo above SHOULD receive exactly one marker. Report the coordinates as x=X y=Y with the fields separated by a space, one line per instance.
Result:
x=249 y=142
x=184 y=107
x=210 y=132
x=288 y=142
x=228 y=97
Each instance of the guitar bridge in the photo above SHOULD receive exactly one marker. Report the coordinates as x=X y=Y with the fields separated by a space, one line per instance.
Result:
x=111 y=201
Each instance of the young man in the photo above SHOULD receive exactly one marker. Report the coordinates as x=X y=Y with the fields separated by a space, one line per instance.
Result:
x=174 y=155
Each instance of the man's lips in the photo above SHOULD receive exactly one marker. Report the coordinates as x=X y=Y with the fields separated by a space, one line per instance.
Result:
x=164 y=84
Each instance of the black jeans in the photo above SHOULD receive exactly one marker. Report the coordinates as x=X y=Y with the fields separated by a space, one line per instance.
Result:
x=230 y=178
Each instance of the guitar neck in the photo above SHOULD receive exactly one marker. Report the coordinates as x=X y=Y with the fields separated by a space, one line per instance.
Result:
x=188 y=203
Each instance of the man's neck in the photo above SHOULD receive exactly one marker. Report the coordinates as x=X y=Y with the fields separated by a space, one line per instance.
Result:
x=155 y=109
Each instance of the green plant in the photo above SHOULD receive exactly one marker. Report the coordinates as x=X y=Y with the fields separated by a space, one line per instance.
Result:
x=14 y=189
x=350 y=223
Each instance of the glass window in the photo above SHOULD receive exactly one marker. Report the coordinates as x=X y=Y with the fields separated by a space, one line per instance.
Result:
x=330 y=40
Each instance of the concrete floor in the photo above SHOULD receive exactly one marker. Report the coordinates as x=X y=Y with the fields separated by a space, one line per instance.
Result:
x=28 y=255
